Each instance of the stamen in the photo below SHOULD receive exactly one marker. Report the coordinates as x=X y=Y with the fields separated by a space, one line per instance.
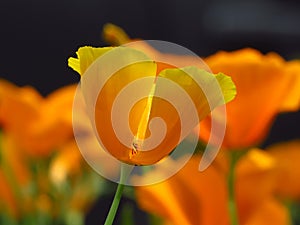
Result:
x=134 y=150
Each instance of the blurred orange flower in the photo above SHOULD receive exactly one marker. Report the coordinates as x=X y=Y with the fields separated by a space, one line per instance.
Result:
x=36 y=123
x=42 y=174
x=192 y=197
x=189 y=197
x=266 y=86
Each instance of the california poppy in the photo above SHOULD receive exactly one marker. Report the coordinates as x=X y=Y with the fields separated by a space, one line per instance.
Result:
x=204 y=199
x=185 y=201
x=267 y=85
x=37 y=124
x=135 y=65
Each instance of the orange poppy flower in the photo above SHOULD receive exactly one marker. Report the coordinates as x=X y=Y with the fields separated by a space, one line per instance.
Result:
x=192 y=197
x=149 y=107
x=267 y=85
x=188 y=198
x=38 y=124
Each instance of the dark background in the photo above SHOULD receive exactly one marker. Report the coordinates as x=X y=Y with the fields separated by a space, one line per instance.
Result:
x=38 y=36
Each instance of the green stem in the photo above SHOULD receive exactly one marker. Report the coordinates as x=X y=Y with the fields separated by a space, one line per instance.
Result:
x=125 y=171
x=231 y=183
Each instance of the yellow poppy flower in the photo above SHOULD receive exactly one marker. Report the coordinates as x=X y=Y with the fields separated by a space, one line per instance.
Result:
x=149 y=107
x=267 y=85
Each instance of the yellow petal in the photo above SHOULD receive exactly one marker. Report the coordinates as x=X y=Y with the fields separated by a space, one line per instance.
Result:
x=86 y=56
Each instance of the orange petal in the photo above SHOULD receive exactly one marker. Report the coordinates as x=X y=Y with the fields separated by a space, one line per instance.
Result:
x=104 y=105
x=54 y=125
x=18 y=107
x=292 y=100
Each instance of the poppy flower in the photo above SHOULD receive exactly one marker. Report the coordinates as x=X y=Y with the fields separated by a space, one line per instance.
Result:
x=267 y=85
x=140 y=66
x=189 y=197
x=204 y=198
x=38 y=124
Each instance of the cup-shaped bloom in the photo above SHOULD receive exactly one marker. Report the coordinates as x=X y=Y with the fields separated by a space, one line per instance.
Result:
x=139 y=112
x=267 y=85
